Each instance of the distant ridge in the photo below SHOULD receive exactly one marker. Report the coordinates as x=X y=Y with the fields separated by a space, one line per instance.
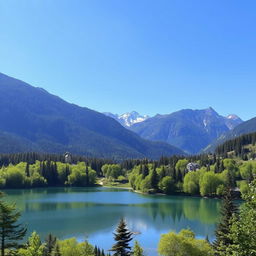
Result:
x=241 y=129
x=190 y=130
x=31 y=119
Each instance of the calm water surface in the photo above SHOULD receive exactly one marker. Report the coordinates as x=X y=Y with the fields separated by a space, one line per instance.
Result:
x=93 y=213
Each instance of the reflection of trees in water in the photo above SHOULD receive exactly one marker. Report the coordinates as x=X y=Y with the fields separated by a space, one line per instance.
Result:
x=205 y=210
x=46 y=214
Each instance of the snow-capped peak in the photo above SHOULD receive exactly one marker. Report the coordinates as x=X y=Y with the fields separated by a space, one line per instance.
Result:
x=233 y=117
x=128 y=119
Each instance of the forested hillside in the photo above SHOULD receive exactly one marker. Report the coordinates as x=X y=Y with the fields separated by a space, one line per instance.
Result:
x=31 y=119
x=242 y=146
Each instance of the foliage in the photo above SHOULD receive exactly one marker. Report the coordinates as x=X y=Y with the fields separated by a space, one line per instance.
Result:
x=183 y=244
x=137 y=249
x=243 y=232
x=34 y=247
x=10 y=230
x=167 y=185
x=70 y=247
x=228 y=210
x=48 y=173
x=112 y=171
x=122 y=237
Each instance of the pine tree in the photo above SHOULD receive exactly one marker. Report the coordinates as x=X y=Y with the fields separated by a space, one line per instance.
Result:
x=223 y=229
x=154 y=179
x=122 y=237
x=27 y=170
x=10 y=231
x=50 y=243
x=137 y=249
x=87 y=175
x=56 y=250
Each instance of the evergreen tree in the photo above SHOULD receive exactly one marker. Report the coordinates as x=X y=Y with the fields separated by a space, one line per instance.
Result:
x=50 y=243
x=224 y=227
x=56 y=250
x=10 y=231
x=145 y=171
x=27 y=170
x=137 y=249
x=87 y=175
x=154 y=179
x=122 y=237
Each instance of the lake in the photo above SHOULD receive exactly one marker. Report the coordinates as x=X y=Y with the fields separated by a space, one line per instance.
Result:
x=93 y=214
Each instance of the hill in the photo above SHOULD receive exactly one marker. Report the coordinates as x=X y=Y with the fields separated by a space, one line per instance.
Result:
x=33 y=119
x=242 y=146
x=241 y=129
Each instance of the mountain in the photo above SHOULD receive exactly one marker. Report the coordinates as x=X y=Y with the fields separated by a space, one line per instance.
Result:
x=190 y=130
x=241 y=129
x=31 y=119
x=128 y=119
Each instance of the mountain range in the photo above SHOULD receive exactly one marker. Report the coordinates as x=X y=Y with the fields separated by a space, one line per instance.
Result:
x=190 y=130
x=31 y=119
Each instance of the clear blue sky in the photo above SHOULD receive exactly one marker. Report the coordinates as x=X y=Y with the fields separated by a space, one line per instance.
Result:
x=121 y=55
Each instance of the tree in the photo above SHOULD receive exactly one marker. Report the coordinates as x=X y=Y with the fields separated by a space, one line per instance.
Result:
x=10 y=230
x=50 y=243
x=137 y=249
x=122 y=237
x=154 y=179
x=243 y=232
x=70 y=247
x=191 y=183
x=183 y=244
x=33 y=248
x=209 y=182
x=167 y=185
x=223 y=230
x=56 y=250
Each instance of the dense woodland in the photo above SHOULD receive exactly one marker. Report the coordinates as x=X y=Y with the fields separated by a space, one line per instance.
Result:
x=168 y=175
x=241 y=146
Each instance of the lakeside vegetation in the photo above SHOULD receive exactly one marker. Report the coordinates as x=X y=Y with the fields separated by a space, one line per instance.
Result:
x=209 y=176
x=235 y=236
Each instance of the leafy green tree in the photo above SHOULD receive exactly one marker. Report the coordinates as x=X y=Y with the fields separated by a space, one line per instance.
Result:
x=167 y=185
x=180 y=167
x=145 y=185
x=183 y=244
x=137 y=249
x=33 y=248
x=223 y=230
x=122 y=237
x=247 y=170
x=10 y=230
x=70 y=247
x=209 y=182
x=244 y=187
x=191 y=183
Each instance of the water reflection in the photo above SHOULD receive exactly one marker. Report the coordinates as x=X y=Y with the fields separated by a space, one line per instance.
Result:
x=93 y=213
